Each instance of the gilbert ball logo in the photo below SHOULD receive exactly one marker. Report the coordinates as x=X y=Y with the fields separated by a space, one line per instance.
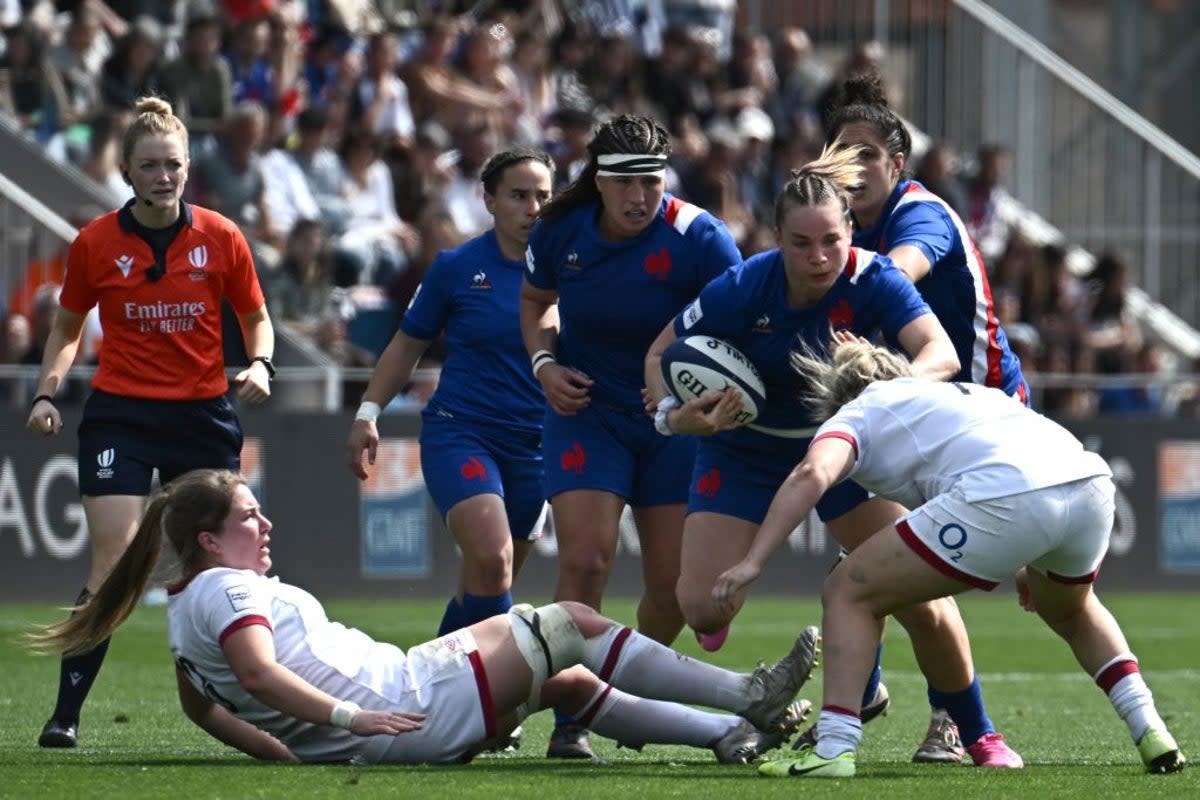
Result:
x=105 y=461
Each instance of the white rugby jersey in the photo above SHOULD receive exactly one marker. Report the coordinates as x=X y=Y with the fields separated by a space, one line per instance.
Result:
x=342 y=661
x=915 y=439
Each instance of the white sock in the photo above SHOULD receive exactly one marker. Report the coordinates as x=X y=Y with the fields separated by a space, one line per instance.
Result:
x=636 y=720
x=837 y=733
x=639 y=665
x=1134 y=702
x=1130 y=696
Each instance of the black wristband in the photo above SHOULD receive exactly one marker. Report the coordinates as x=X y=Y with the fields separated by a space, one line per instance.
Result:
x=39 y=398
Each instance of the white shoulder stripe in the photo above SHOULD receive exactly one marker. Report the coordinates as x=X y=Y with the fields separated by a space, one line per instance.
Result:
x=863 y=259
x=685 y=216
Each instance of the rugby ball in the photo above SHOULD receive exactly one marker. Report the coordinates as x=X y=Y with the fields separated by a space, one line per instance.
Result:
x=695 y=365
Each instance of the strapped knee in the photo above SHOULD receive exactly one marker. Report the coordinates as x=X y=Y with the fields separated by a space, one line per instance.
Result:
x=549 y=640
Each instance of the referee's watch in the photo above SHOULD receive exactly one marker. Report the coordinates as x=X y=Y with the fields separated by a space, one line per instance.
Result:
x=266 y=362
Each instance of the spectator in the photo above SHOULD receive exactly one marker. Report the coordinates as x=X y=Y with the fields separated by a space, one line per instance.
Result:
x=422 y=173
x=531 y=65
x=802 y=76
x=569 y=150
x=79 y=57
x=199 y=83
x=615 y=84
x=322 y=168
x=300 y=290
x=102 y=163
x=865 y=57
x=572 y=54
x=484 y=65
x=374 y=247
x=753 y=170
x=31 y=87
x=380 y=99
x=464 y=198
x=989 y=205
x=132 y=69
x=249 y=70
x=439 y=92
x=938 y=173
x=1112 y=333
x=229 y=179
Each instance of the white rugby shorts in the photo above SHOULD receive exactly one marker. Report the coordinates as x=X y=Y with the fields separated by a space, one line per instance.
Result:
x=1061 y=531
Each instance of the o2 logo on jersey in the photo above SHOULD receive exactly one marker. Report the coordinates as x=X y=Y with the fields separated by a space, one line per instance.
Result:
x=198 y=258
x=952 y=537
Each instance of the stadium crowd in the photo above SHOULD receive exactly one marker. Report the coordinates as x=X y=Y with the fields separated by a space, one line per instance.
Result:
x=346 y=137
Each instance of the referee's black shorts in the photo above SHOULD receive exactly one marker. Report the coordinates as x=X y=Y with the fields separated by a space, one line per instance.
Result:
x=123 y=439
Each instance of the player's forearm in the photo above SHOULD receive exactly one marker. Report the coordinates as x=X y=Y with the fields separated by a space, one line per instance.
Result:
x=277 y=686
x=258 y=333
x=539 y=325
x=61 y=348
x=237 y=733
x=395 y=368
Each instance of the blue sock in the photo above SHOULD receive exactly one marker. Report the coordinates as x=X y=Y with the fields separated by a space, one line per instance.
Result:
x=477 y=608
x=966 y=709
x=873 y=681
x=452 y=620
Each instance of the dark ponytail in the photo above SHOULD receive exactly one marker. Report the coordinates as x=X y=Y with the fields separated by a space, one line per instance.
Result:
x=192 y=503
x=862 y=99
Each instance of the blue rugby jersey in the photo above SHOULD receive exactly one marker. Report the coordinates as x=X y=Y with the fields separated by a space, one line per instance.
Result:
x=614 y=298
x=748 y=307
x=956 y=287
x=473 y=294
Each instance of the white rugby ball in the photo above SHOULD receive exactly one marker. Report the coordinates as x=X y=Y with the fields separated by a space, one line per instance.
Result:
x=695 y=365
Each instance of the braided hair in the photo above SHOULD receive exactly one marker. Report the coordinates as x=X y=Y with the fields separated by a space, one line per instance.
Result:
x=831 y=177
x=627 y=133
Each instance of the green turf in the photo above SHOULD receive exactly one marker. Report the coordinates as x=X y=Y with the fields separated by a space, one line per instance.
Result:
x=136 y=743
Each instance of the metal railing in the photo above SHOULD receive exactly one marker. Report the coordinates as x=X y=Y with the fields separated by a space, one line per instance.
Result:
x=1101 y=173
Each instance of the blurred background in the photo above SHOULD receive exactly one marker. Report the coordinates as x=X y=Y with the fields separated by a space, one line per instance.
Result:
x=1064 y=132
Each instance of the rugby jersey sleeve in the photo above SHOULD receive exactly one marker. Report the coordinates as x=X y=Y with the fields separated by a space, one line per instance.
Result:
x=539 y=259
x=848 y=425
x=241 y=287
x=892 y=299
x=78 y=295
x=430 y=307
x=232 y=600
x=924 y=226
x=721 y=308
x=718 y=252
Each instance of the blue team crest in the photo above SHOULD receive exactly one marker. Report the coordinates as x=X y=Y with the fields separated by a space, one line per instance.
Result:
x=572 y=261
x=480 y=281
x=763 y=324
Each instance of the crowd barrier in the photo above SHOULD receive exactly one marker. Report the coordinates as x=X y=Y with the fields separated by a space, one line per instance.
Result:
x=340 y=538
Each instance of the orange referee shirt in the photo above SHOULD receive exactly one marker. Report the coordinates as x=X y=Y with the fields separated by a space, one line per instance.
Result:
x=162 y=339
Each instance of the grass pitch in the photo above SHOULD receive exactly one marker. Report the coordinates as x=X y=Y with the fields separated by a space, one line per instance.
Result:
x=135 y=742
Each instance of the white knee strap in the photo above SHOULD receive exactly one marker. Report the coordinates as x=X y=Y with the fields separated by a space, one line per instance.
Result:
x=549 y=640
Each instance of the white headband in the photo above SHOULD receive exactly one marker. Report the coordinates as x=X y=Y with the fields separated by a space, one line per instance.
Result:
x=612 y=164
